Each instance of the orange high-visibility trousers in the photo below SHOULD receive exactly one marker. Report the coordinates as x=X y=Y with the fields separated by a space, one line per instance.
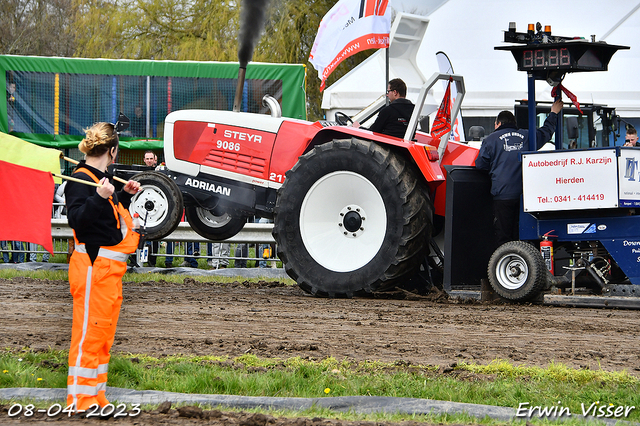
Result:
x=97 y=297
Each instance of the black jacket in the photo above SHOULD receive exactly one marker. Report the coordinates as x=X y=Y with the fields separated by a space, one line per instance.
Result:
x=394 y=118
x=91 y=216
x=500 y=156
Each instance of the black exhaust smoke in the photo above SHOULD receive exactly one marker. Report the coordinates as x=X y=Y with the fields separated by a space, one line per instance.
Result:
x=252 y=17
x=237 y=101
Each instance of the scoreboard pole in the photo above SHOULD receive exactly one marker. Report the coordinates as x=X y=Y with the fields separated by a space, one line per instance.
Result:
x=559 y=134
x=531 y=105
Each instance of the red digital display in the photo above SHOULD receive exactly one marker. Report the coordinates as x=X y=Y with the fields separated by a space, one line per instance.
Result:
x=546 y=58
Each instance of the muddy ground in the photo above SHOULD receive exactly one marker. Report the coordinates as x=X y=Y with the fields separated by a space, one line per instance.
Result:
x=270 y=319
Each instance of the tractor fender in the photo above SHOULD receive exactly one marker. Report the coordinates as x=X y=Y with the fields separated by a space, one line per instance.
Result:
x=296 y=138
x=423 y=154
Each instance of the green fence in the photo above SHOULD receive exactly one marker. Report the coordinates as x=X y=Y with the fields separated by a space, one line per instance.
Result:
x=49 y=101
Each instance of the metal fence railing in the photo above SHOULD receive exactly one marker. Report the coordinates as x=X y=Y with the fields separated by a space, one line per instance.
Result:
x=253 y=234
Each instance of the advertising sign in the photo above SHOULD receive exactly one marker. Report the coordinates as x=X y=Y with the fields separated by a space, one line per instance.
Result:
x=570 y=180
x=629 y=177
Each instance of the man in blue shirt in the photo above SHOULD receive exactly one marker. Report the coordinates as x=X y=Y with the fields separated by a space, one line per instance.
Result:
x=500 y=156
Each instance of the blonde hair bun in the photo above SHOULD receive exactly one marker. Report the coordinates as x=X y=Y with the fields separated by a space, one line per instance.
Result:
x=97 y=135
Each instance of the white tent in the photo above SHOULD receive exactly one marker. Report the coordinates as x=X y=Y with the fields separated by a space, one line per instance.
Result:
x=468 y=30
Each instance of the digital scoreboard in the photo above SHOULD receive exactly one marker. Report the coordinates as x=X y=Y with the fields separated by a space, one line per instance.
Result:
x=542 y=54
x=568 y=56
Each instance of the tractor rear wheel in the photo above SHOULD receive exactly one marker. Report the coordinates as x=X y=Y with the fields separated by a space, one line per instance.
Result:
x=351 y=218
x=517 y=271
x=159 y=202
x=214 y=226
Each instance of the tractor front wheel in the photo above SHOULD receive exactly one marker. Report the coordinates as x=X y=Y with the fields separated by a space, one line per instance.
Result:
x=159 y=204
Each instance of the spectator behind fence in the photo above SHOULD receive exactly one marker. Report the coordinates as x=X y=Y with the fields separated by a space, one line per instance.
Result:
x=138 y=125
x=242 y=251
x=151 y=160
x=191 y=262
x=220 y=252
x=265 y=251
x=58 y=197
x=16 y=255
x=33 y=255
x=168 y=261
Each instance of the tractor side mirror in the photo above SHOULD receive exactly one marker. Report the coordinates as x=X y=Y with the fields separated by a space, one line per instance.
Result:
x=122 y=124
x=424 y=124
x=615 y=123
x=572 y=127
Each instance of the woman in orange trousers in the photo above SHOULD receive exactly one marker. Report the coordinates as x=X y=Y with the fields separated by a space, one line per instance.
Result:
x=104 y=238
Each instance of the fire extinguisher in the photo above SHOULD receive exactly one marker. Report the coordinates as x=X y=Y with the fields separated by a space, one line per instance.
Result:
x=546 y=250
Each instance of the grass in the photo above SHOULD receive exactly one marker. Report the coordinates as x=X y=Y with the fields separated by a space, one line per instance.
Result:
x=498 y=383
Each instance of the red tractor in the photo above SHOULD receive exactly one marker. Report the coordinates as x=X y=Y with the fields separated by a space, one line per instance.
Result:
x=353 y=210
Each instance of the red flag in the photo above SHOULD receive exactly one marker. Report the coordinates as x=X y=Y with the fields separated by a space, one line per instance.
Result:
x=442 y=122
x=349 y=27
x=27 y=199
x=574 y=98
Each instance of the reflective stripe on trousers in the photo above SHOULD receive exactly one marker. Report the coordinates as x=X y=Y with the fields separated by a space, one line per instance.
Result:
x=97 y=296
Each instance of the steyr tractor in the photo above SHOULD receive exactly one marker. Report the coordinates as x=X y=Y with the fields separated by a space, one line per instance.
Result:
x=357 y=212
x=353 y=210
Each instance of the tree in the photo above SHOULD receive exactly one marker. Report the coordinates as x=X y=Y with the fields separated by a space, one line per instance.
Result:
x=204 y=30
x=290 y=33
x=37 y=27
x=196 y=30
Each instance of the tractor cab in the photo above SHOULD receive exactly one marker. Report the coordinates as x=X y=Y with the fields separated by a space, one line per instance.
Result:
x=593 y=126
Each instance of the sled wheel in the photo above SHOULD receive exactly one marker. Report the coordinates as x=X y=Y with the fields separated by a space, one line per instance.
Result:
x=215 y=227
x=159 y=201
x=351 y=218
x=517 y=271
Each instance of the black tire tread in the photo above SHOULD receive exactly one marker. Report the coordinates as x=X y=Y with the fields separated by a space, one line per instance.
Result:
x=538 y=272
x=416 y=210
x=173 y=194
x=221 y=233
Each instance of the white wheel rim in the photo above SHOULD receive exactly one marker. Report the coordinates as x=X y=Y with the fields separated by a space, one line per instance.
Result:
x=211 y=220
x=322 y=226
x=512 y=271
x=158 y=214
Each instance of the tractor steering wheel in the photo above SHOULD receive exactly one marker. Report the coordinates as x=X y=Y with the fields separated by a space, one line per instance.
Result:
x=343 y=119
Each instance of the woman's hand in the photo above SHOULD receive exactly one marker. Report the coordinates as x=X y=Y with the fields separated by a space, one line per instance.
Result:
x=132 y=187
x=106 y=190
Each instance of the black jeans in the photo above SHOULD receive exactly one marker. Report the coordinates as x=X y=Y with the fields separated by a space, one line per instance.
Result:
x=506 y=215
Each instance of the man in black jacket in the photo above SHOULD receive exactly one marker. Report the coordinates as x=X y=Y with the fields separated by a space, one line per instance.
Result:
x=500 y=156
x=393 y=119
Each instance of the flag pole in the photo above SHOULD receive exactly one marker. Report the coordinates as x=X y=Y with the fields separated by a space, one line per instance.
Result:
x=71 y=160
x=86 y=182
x=386 y=55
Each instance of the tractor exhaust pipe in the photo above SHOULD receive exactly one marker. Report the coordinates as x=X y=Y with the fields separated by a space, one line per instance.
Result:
x=274 y=106
x=237 y=102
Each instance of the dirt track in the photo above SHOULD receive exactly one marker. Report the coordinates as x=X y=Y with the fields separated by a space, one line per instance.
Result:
x=274 y=320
